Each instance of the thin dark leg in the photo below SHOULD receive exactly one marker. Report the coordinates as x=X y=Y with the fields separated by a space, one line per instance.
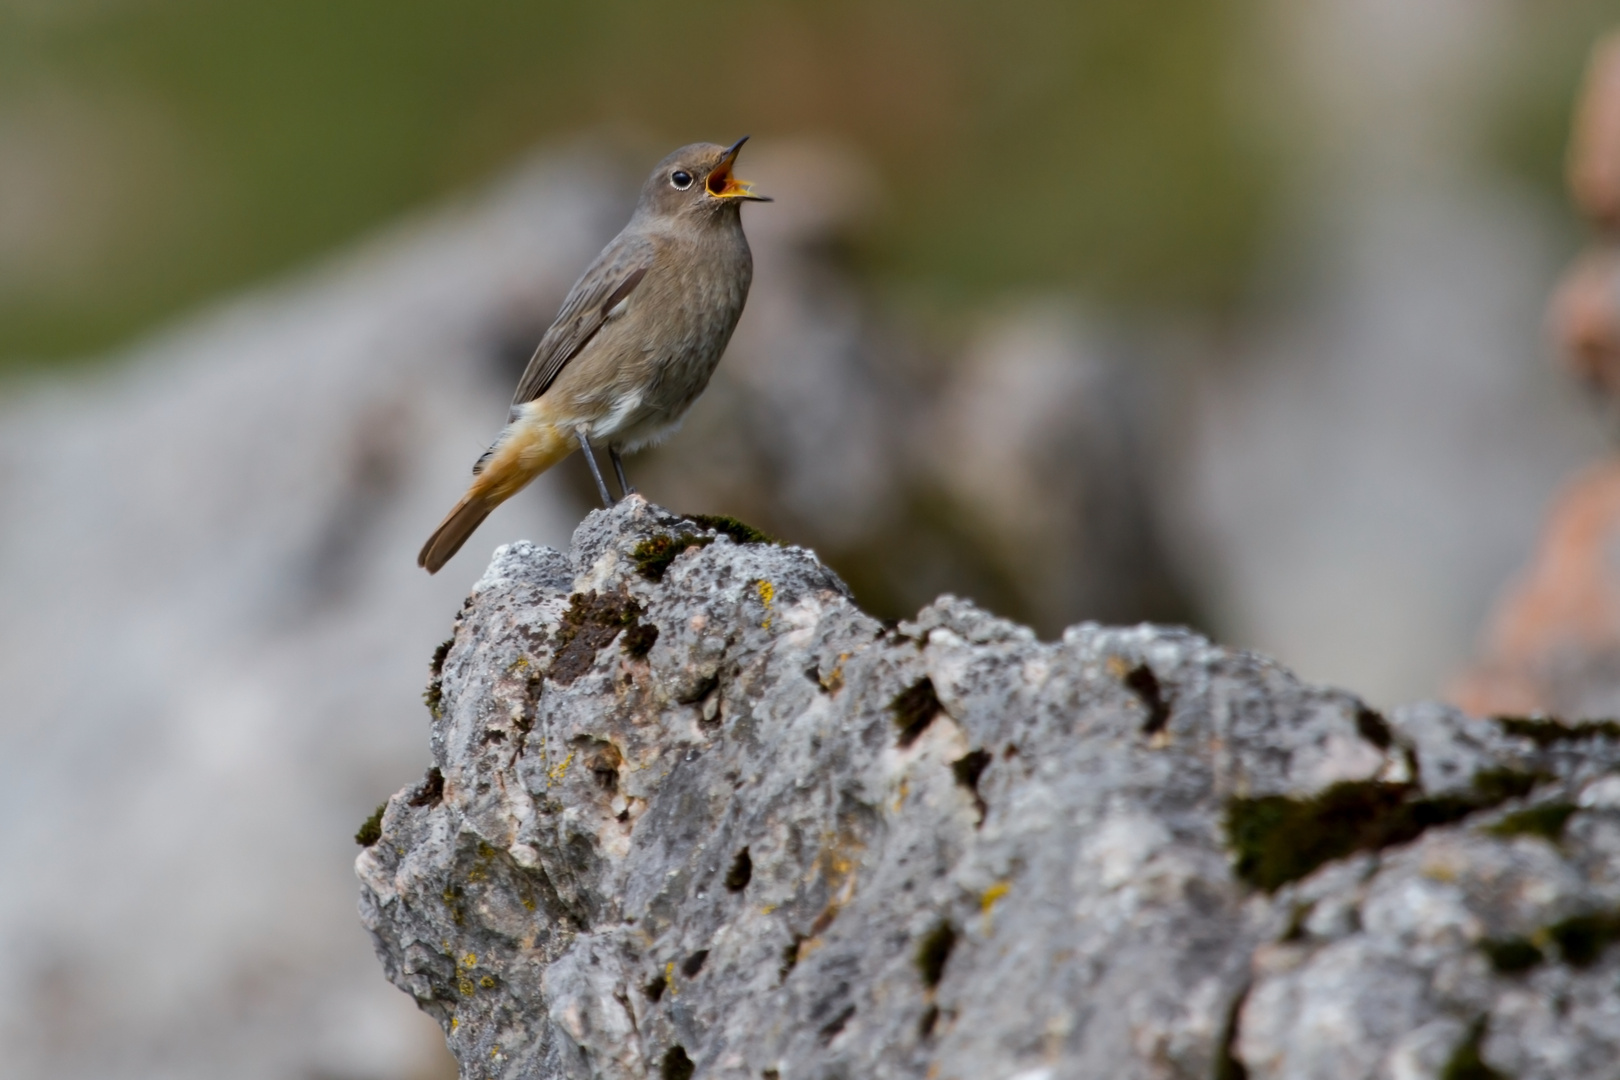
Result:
x=596 y=472
x=618 y=470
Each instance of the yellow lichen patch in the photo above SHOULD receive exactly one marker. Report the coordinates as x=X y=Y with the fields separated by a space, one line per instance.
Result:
x=517 y=665
x=669 y=979
x=470 y=960
x=1441 y=865
x=767 y=593
x=454 y=1023
x=988 y=902
x=561 y=770
x=528 y=902
x=465 y=986
x=839 y=855
x=1118 y=668
x=837 y=861
x=833 y=681
x=768 y=908
x=487 y=982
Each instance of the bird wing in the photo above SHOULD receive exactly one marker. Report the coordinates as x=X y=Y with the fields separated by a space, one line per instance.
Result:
x=609 y=281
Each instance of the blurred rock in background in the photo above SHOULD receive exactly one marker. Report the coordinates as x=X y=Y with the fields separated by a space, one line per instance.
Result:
x=1043 y=441
x=1553 y=643
x=1375 y=452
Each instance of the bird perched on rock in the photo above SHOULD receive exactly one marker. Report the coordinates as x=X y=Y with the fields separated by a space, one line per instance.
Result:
x=634 y=344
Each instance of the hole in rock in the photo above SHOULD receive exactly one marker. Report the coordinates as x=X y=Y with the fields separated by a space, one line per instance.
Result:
x=741 y=872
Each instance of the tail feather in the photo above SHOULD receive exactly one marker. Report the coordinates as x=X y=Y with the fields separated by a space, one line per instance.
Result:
x=453 y=531
x=524 y=451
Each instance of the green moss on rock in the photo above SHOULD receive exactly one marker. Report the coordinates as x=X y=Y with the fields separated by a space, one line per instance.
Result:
x=1545 y=731
x=1582 y=939
x=436 y=666
x=1466 y=1064
x=1277 y=838
x=933 y=952
x=371 y=829
x=653 y=555
x=676 y=1065
x=1547 y=820
x=740 y=531
x=433 y=696
x=1511 y=956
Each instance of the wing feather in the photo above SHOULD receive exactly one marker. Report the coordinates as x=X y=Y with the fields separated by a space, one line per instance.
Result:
x=609 y=281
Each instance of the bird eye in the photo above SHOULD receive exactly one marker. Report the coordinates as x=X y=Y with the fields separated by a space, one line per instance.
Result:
x=681 y=179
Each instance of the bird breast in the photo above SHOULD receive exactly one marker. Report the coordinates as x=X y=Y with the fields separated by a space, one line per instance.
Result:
x=686 y=318
x=634 y=382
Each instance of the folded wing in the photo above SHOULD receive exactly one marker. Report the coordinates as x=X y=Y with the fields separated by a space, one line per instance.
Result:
x=608 y=283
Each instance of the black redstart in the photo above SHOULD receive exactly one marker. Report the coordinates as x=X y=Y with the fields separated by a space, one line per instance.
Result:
x=634 y=344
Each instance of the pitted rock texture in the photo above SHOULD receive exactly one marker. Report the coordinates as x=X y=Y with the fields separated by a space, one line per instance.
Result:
x=697 y=815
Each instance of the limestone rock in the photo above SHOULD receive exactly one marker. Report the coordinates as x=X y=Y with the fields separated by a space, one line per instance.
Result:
x=693 y=813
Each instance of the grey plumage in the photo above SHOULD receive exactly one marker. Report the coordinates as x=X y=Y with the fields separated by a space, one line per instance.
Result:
x=635 y=342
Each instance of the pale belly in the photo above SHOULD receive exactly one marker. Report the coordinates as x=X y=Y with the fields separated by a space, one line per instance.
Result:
x=630 y=405
x=634 y=423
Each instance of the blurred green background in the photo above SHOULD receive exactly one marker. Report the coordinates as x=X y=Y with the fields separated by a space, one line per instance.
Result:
x=156 y=152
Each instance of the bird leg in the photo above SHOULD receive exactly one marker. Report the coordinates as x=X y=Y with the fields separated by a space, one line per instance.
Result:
x=618 y=469
x=596 y=472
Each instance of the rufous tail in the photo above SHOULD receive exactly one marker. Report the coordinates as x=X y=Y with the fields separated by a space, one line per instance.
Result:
x=525 y=449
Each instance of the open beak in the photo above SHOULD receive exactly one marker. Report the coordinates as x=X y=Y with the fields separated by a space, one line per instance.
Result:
x=722 y=185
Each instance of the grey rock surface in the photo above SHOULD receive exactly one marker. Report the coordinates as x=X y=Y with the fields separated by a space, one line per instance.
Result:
x=701 y=816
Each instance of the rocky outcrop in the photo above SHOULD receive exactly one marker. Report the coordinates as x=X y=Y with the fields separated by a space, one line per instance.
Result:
x=693 y=813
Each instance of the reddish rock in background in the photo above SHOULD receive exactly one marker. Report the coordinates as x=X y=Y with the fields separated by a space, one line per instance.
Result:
x=1553 y=643
x=1594 y=154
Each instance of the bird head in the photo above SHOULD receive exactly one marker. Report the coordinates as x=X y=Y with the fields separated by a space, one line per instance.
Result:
x=698 y=180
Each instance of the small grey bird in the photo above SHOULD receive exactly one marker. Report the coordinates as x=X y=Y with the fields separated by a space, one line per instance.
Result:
x=634 y=344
